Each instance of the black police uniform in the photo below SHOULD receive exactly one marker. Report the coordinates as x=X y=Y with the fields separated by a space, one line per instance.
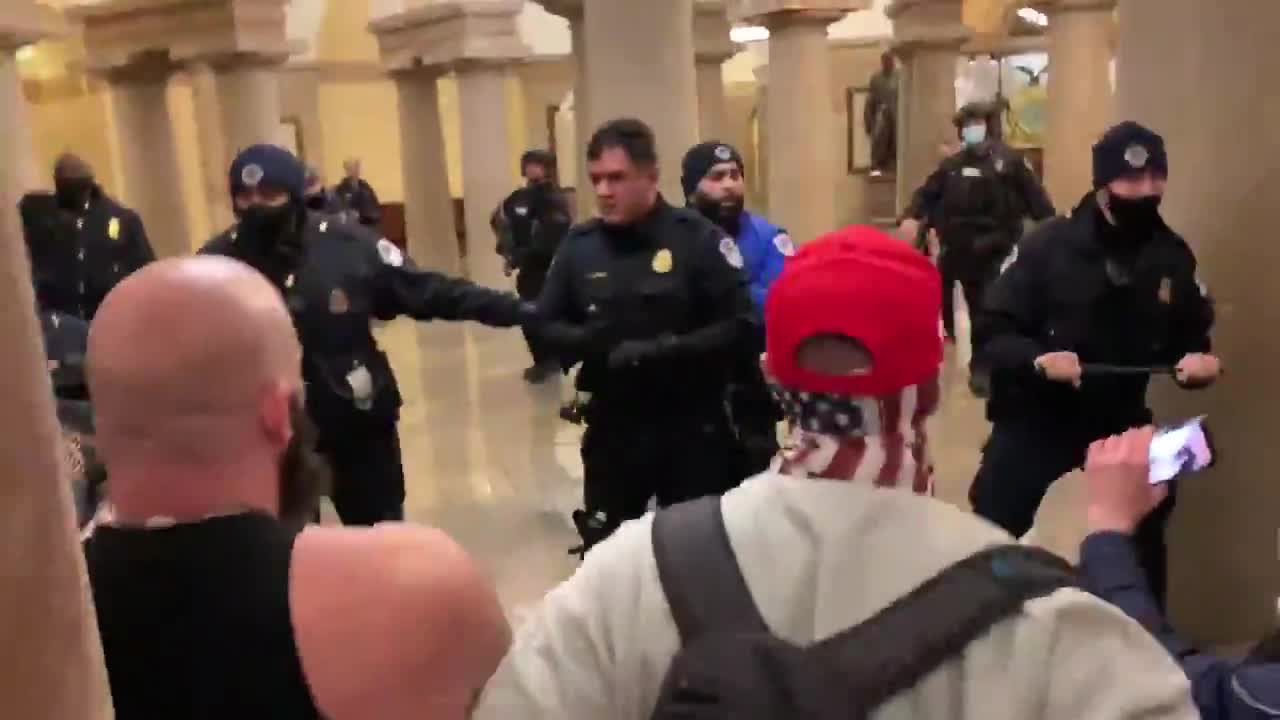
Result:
x=78 y=257
x=1079 y=285
x=66 y=338
x=358 y=197
x=344 y=278
x=665 y=298
x=976 y=200
x=530 y=225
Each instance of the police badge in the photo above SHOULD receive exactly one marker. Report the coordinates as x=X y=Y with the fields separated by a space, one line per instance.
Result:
x=113 y=228
x=251 y=175
x=662 y=262
x=1137 y=156
x=723 y=153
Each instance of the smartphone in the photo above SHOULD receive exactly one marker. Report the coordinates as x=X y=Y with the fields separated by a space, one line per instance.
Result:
x=1180 y=449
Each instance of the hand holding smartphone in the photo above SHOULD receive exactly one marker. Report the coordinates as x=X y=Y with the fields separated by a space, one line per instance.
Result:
x=1181 y=449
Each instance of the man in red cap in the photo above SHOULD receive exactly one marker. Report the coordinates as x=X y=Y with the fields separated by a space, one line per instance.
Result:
x=700 y=610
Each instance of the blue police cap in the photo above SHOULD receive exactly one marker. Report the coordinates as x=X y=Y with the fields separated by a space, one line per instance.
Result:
x=268 y=166
x=1126 y=149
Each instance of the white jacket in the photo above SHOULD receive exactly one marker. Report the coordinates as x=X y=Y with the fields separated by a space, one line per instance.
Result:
x=819 y=557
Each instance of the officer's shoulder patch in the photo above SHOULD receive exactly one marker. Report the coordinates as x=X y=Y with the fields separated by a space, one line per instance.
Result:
x=782 y=241
x=390 y=254
x=729 y=249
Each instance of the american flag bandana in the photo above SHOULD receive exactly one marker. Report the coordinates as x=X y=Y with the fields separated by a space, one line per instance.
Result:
x=879 y=440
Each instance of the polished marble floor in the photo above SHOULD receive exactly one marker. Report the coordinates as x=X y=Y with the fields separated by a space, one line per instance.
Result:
x=489 y=461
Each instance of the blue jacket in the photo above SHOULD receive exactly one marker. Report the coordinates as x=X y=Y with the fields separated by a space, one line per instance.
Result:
x=764 y=247
x=1223 y=689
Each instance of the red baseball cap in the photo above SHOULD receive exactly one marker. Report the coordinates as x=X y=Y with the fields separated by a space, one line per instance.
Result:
x=861 y=283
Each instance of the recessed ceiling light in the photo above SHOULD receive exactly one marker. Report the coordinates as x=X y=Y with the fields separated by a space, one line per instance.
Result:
x=1034 y=16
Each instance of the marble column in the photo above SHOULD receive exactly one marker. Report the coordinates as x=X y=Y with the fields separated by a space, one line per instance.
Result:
x=584 y=197
x=18 y=172
x=1080 y=104
x=214 y=159
x=53 y=666
x=712 y=48
x=801 y=116
x=1224 y=156
x=428 y=205
x=640 y=64
x=248 y=88
x=148 y=154
x=927 y=36
x=486 y=162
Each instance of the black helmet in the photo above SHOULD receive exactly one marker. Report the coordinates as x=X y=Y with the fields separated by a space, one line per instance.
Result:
x=545 y=158
x=984 y=110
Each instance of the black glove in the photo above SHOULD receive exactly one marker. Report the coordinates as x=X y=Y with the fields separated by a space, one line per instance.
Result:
x=635 y=352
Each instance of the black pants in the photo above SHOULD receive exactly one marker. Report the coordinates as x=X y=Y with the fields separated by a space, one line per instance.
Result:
x=1020 y=462
x=677 y=457
x=755 y=418
x=974 y=273
x=529 y=282
x=368 y=478
x=948 y=301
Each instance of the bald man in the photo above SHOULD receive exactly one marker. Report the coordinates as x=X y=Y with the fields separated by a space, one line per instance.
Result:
x=211 y=607
x=81 y=241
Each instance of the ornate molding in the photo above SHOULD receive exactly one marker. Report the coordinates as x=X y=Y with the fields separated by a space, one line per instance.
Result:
x=120 y=33
x=451 y=34
x=927 y=24
x=765 y=11
x=711 y=41
x=26 y=22
x=570 y=10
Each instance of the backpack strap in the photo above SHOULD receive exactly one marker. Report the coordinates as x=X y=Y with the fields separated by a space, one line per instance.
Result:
x=700 y=574
x=904 y=642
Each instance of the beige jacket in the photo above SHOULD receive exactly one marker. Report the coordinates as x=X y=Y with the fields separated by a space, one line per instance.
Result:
x=820 y=557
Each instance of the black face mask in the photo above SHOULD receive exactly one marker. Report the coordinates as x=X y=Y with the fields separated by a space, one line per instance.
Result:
x=304 y=473
x=728 y=215
x=1139 y=216
x=267 y=228
x=72 y=193
x=316 y=202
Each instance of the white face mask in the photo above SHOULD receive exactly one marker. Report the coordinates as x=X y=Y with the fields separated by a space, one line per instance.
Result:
x=973 y=134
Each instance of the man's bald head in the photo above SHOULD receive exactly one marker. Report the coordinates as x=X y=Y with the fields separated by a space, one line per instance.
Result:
x=70 y=165
x=191 y=359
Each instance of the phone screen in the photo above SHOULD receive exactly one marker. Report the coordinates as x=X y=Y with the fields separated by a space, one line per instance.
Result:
x=1180 y=449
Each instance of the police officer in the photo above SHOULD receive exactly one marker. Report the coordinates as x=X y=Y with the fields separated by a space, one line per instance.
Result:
x=530 y=225
x=321 y=199
x=66 y=338
x=652 y=299
x=357 y=195
x=977 y=199
x=80 y=241
x=1112 y=285
x=712 y=178
x=336 y=278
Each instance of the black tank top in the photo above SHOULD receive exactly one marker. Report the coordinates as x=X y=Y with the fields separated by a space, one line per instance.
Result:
x=195 y=620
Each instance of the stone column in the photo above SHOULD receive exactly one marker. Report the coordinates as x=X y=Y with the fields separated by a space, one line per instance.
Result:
x=214 y=160
x=927 y=35
x=585 y=196
x=486 y=162
x=1224 y=161
x=428 y=206
x=248 y=89
x=640 y=64
x=802 y=170
x=18 y=172
x=1081 y=35
x=148 y=153
x=712 y=48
